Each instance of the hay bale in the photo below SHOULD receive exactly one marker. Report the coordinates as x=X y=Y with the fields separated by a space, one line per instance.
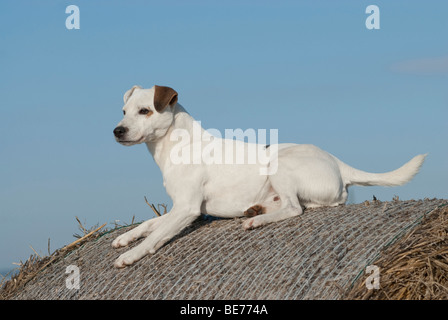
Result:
x=415 y=267
x=315 y=256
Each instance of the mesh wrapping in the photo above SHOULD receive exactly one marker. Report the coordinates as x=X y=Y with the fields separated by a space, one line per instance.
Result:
x=317 y=255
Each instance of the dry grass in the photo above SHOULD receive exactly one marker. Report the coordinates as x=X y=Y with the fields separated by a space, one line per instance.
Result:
x=35 y=263
x=415 y=267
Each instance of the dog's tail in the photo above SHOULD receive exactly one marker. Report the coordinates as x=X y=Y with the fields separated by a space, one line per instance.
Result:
x=398 y=177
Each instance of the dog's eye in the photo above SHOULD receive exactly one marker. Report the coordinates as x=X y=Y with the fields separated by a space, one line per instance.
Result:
x=143 y=111
x=124 y=112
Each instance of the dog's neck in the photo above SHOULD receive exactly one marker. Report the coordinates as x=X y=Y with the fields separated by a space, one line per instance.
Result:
x=161 y=148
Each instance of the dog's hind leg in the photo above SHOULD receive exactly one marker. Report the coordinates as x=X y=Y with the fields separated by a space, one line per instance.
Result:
x=285 y=201
x=290 y=208
x=255 y=211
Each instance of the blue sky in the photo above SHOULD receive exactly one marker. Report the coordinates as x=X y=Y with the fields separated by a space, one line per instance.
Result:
x=311 y=69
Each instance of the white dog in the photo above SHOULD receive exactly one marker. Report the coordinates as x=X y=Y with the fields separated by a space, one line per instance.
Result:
x=304 y=175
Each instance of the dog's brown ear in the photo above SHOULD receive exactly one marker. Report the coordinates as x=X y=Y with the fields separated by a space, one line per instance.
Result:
x=163 y=97
x=129 y=93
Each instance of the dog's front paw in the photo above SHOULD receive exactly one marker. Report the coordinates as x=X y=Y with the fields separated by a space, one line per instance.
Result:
x=123 y=240
x=128 y=258
x=122 y=262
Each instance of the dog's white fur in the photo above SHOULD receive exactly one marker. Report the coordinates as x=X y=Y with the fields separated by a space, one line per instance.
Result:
x=306 y=176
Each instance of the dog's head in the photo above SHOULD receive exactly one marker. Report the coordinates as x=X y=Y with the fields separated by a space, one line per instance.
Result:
x=148 y=113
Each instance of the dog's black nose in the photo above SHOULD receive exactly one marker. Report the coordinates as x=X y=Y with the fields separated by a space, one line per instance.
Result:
x=120 y=131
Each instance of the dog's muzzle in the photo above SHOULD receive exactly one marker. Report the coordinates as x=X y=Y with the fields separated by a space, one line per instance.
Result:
x=120 y=131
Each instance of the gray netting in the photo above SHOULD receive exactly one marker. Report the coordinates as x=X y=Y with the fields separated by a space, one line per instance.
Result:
x=315 y=256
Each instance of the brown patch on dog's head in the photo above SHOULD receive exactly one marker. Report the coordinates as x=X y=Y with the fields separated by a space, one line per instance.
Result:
x=163 y=97
x=149 y=113
x=276 y=198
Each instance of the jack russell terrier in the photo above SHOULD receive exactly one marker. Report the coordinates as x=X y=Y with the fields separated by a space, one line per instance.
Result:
x=296 y=176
